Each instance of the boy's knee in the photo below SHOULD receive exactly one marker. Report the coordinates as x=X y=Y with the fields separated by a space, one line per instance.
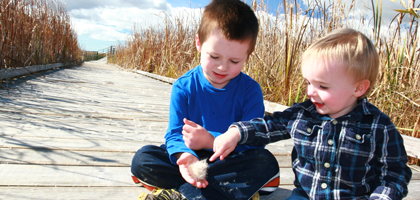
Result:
x=264 y=154
x=142 y=155
x=265 y=157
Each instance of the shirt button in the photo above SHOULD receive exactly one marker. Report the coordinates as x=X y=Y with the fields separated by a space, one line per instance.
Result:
x=330 y=142
x=334 y=122
x=309 y=130
x=358 y=137
x=324 y=185
x=327 y=165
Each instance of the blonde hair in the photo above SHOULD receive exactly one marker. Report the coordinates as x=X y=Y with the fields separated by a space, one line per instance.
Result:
x=353 y=49
x=235 y=20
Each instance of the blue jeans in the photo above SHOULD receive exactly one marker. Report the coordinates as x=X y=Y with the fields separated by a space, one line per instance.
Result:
x=297 y=195
x=239 y=176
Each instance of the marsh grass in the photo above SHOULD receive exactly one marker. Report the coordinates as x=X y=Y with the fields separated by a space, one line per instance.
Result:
x=168 y=49
x=36 y=32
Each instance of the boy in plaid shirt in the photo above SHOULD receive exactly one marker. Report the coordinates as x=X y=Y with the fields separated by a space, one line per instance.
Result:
x=344 y=147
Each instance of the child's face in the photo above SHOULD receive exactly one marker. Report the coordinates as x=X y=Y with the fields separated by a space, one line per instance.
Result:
x=221 y=59
x=332 y=90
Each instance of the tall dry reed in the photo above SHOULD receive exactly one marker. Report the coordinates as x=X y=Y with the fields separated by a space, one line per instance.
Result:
x=169 y=50
x=35 y=32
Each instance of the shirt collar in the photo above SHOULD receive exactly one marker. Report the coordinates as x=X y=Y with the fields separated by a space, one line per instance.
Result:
x=363 y=108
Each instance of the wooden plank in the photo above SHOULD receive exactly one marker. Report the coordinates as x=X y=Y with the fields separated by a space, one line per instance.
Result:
x=80 y=157
x=69 y=176
x=126 y=192
x=271 y=107
x=155 y=76
x=76 y=157
x=86 y=176
x=416 y=172
x=10 y=73
x=53 y=193
x=72 y=157
x=96 y=144
x=113 y=132
x=65 y=157
x=412 y=146
x=86 y=193
x=37 y=125
x=78 y=144
x=413 y=190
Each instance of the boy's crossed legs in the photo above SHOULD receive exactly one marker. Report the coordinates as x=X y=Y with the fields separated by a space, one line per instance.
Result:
x=239 y=176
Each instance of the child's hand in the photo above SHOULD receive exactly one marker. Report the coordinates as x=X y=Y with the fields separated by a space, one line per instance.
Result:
x=195 y=136
x=185 y=159
x=225 y=143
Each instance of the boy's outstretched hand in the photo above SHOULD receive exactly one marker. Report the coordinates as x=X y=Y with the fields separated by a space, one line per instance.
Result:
x=185 y=159
x=195 y=136
x=224 y=144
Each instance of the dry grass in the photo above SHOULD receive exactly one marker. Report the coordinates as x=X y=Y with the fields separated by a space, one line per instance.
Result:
x=169 y=50
x=36 y=32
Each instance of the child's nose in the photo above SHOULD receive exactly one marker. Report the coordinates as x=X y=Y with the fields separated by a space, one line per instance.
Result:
x=310 y=90
x=223 y=66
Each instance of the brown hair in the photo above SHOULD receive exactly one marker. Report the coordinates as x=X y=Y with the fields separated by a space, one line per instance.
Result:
x=355 y=51
x=234 y=19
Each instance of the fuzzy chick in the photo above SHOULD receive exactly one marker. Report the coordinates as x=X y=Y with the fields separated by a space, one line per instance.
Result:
x=198 y=169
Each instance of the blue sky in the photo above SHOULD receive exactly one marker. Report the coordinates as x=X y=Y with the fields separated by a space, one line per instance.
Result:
x=102 y=23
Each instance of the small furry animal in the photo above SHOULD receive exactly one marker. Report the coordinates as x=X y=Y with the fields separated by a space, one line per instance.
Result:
x=198 y=169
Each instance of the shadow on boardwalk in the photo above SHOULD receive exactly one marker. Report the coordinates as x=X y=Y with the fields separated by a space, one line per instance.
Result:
x=71 y=133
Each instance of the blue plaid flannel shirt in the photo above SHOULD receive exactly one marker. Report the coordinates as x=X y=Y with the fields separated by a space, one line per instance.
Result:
x=357 y=156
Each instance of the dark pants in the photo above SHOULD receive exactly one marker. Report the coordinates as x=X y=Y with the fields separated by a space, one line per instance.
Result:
x=239 y=176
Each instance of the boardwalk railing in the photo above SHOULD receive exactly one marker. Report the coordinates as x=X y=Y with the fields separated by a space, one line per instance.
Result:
x=96 y=55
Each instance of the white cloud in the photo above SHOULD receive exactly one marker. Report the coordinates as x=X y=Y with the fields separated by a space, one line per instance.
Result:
x=112 y=20
x=111 y=23
x=89 y=4
x=115 y=23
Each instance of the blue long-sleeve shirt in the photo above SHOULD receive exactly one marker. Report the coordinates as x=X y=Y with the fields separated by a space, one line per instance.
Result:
x=357 y=156
x=194 y=98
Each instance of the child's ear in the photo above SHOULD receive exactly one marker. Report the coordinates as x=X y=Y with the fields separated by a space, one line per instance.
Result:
x=197 y=43
x=361 y=87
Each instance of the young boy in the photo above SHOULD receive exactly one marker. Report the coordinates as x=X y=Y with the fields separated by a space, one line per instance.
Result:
x=204 y=102
x=344 y=147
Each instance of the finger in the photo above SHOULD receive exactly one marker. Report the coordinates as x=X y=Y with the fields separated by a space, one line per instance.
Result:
x=186 y=127
x=216 y=154
x=187 y=177
x=202 y=184
x=185 y=133
x=181 y=161
x=190 y=123
x=226 y=153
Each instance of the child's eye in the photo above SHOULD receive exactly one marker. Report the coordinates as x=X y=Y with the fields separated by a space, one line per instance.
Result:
x=323 y=87
x=234 y=62
x=214 y=57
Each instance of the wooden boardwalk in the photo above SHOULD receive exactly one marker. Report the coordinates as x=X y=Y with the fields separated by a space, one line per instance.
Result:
x=71 y=134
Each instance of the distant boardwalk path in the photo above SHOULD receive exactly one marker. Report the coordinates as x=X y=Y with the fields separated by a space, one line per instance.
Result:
x=71 y=133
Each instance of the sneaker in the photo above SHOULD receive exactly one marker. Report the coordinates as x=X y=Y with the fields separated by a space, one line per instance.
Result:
x=162 y=194
x=271 y=186
x=141 y=183
x=256 y=196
